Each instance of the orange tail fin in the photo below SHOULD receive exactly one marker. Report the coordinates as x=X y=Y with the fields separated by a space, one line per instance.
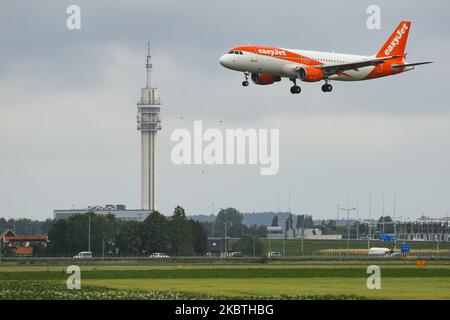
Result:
x=396 y=44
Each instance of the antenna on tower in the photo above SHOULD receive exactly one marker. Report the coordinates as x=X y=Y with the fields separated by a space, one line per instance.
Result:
x=148 y=66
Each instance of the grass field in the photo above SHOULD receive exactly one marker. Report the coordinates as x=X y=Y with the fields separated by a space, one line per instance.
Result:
x=301 y=281
x=294 y=247
x=392 y=288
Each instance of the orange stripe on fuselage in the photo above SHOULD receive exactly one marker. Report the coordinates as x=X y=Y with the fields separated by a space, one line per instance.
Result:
x=279 y=54
x=384 y=69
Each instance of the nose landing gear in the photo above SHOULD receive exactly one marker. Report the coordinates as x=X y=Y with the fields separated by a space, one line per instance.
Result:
x=245 y=82
x=295 y=89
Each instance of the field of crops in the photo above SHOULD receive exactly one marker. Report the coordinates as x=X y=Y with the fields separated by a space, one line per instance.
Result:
x=224 y=282
x=55 y=290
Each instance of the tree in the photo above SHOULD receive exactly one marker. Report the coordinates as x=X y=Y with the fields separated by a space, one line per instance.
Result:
x=181 y=233
x=200 y=238
x=72 y=235
x=156 y=233
x=249 y=246
x=275 y=221
x=129 y=240
x=256 y=230
x=387 y=222
x=289 y=222
x=58 y=236
x=233 y=219
x=298 y=225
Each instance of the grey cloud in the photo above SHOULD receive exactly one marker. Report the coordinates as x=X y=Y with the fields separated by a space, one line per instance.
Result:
x=67 y=98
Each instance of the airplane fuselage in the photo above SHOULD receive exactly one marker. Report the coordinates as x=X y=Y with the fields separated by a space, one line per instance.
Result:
x=284 y=63
x=267 y=65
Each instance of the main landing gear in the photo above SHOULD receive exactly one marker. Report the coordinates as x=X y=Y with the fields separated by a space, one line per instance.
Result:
x=295 y=89
x=245 y=82
x=327 y=87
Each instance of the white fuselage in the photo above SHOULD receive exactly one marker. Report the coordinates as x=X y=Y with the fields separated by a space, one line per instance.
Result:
x=279 y=66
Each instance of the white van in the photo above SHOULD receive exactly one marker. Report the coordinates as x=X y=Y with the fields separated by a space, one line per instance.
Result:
x=381 y=252
x=83 y=255
x=378 y=251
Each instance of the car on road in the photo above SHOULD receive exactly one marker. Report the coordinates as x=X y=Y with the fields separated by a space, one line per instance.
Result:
x=274 y=254
x=83 y=255
x=235 y=254
x=158 y=255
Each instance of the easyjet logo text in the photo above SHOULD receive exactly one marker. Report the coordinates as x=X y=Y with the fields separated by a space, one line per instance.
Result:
x=275 y=52
x=395 y=42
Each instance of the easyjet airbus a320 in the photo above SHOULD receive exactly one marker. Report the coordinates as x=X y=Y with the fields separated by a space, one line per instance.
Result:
x=266 y=65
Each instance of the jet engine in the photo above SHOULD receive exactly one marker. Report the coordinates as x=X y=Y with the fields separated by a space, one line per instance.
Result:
x=310 y=74
x=264 y=78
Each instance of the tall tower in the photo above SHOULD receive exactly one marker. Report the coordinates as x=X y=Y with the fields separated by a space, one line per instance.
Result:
x=148 y=122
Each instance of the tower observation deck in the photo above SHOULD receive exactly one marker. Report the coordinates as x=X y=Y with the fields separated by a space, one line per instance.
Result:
x=148 y=123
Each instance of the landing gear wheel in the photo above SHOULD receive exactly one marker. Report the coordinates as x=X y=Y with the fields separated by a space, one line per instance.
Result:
x=245 y=83
x=296 y=89
x=327 y=87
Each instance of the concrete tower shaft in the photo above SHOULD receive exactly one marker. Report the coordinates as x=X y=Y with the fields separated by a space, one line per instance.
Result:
x=149 y=122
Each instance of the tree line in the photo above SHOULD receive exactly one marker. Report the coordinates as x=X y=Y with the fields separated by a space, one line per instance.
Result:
x=230 y=221
x=176 y=235
x=25 y=227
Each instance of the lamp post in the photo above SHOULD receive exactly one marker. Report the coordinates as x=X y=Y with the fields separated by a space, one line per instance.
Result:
x=348 y=220
x=303 y=232
x=213 y=222
x=89 y=233
x=226 y=231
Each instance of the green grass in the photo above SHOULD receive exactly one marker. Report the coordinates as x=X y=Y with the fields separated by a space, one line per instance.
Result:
x=229 y=273
x=293 y=247
x=391 y=288
x=304 y=281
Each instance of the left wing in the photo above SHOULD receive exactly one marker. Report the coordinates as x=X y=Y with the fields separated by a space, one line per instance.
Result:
x=330 y=69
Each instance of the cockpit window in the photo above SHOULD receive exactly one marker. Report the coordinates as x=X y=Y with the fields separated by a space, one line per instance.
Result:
x=231 y=52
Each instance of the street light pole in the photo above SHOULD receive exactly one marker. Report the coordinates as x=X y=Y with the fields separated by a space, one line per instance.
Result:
x=370 y=221
x=212 y=223
x=303 y=232
x=357 y=216
x=348 y=222
x=89 y=233
x=226 y=232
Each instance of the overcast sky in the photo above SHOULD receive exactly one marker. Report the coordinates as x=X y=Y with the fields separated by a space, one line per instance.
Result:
x=68 y=133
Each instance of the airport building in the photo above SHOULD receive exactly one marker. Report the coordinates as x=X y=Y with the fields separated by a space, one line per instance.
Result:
x=119 y=211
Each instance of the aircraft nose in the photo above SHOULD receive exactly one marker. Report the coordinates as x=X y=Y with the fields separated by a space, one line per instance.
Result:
x=225 y=60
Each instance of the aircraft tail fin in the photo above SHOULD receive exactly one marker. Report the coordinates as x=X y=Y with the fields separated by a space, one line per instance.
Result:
x=396 y=44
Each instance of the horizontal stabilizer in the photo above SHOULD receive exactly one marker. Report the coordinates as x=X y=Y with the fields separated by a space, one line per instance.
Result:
x=416 y=64
x=399 y=66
